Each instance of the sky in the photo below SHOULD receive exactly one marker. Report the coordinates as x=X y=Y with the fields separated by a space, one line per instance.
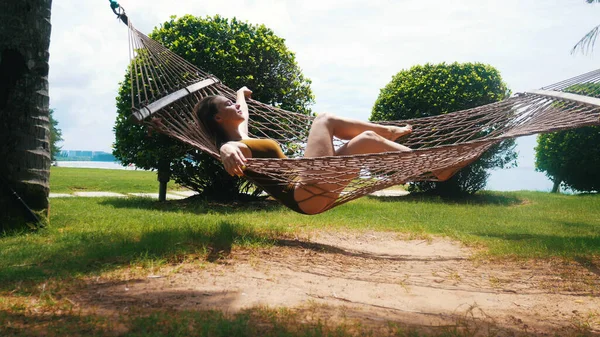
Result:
x=349 y=49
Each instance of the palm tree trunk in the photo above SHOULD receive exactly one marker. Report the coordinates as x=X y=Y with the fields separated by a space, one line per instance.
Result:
x=24 y=117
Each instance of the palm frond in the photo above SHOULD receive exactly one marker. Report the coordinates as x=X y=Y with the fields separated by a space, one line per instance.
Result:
x=587 y=42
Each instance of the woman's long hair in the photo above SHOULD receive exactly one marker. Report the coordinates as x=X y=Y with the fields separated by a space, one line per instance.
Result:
x=205 y=110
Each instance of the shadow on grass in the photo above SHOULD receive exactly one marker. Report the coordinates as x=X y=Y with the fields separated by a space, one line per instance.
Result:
x=589 y=264
x=325 y=248
x=553 y=245
x=88 y=253
x=92 y=252
x=195 y=205
x=305 y=321
x=482 y=199
x=26 y=324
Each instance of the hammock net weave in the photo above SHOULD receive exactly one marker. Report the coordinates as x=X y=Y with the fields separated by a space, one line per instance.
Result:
x=166 y=87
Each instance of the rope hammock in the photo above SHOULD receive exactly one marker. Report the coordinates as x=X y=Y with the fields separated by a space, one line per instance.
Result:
x=165 y=86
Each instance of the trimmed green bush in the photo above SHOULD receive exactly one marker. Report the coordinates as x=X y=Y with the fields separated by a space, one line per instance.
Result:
x=435 y=89
x=240 y=54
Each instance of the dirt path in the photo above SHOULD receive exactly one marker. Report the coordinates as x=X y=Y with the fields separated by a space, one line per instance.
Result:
x=375 y=277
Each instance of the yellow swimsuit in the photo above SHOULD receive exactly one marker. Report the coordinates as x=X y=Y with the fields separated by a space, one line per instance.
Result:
x=263 y=148
x=268 y=148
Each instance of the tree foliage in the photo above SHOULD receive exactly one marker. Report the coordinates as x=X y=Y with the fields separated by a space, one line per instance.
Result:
x=430 y=90
x=55 y=136
x=572 y=157
x=238 y=53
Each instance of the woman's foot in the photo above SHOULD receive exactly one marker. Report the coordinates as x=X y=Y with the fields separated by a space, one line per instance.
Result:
x=396 y=132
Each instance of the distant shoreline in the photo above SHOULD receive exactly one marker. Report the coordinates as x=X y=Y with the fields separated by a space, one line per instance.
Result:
x=515 y=179
x=110 y=165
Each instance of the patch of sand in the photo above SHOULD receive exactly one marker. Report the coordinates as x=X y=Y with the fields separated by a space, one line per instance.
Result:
x=375 y=277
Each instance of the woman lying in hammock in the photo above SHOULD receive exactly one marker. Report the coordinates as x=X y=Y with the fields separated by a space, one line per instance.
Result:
x=227 y=123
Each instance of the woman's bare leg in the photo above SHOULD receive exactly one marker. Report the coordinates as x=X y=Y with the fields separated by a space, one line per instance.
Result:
x=326 y=126
x=316 y=196
x=369 y=142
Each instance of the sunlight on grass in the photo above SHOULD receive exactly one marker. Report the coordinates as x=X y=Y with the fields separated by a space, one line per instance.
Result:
x=69 y=180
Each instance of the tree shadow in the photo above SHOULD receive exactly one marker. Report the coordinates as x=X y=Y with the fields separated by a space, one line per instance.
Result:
x=107 y=252
x=588 y=264
x=481 y=199
x=123 y=296
x=195 y=205
x=577 y=225
x=555 y=245
x=198 y=205
x=330 y=249
x=104 y=251
x=152 y=318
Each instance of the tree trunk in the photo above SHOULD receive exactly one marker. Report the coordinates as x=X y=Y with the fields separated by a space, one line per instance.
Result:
x=556 y=186
x=24 y=117
x=164 y=175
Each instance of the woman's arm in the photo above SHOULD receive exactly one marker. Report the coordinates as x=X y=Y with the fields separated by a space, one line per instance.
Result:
x=233 y=157
x=242 y=94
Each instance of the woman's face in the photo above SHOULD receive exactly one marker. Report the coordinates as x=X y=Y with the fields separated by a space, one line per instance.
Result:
x=228 y=112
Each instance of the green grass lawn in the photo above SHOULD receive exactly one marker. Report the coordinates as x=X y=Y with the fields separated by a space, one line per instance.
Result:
x=88 y=235
x=91 y=236
x=69 y=180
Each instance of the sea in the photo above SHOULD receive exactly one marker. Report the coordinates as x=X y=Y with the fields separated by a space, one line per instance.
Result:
x=95 y=164
x=515 y=179
x=518 y=179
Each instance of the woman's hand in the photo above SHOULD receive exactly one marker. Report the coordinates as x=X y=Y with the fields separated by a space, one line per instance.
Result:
x=233 y=159
x=247 y=92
